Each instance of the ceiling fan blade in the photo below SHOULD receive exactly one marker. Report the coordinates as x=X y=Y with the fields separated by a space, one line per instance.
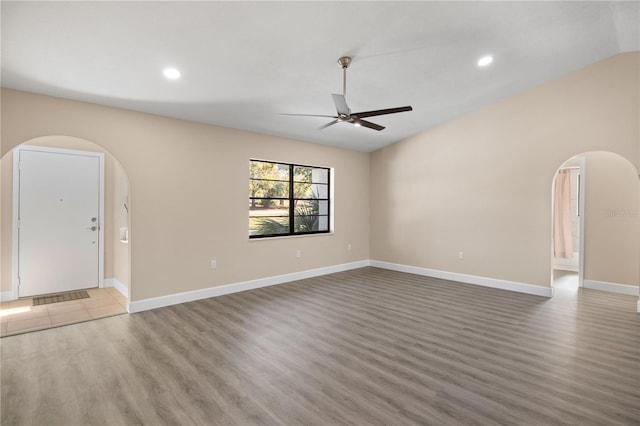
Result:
x=341 y=104
x=328 y=124
x=312 y=115
x=368 y=124
x=382 y=111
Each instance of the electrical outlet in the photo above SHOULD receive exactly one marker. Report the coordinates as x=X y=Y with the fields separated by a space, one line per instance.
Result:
x=298 y=254
x=214 y=264
x=349 y=247
x=461 y=255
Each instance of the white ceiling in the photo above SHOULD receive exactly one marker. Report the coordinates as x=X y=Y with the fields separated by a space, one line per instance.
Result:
x=245 y=63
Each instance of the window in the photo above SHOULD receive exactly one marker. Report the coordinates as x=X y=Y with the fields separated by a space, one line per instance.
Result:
x=287 y=199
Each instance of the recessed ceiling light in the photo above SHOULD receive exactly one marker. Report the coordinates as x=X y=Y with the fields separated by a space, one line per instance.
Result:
x=171 y=73
x=485 y=60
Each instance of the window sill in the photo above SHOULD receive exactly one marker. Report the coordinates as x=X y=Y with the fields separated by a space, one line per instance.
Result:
x=284 y=237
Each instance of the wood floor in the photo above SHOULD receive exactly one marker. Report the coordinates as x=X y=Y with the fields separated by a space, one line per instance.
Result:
x=363 y=347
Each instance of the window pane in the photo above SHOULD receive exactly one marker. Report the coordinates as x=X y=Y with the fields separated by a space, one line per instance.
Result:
x=310 y=174
x=323 y=223
x=302 y=190
x=268 y=207
x=302 y=174
x=267 y=170
x=311 y=207
x=311 y=223
x=320 y=191
x=323 y=208
x=320 y=176
x=306 y=223
x=268 y=188
x=266 y=225
x=310 y=191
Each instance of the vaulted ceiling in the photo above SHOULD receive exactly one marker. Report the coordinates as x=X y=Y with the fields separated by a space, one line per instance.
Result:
x=244 y=64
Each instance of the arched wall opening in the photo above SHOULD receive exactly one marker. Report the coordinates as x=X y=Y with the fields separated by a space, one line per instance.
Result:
x=610 y=221
x=117 y=221
x=567 y=214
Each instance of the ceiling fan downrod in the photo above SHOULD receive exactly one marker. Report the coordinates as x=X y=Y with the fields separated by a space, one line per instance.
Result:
x=344 y=63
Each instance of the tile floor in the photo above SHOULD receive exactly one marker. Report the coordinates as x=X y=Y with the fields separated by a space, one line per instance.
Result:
x=19 y=316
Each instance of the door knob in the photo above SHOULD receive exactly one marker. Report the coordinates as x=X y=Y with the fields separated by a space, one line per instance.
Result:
x=93 y=228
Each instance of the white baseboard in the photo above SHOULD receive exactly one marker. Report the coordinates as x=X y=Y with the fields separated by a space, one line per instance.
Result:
x=467 y=279
x=113 y=282
x=189 y=296
x=6 y=296
x=632 y=290
x=205 y=293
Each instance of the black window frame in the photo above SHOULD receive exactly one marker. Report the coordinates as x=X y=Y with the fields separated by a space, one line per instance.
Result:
x=292 y=200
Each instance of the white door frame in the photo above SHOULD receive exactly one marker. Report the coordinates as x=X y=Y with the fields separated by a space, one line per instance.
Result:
x=581 y=193
x=16 y=203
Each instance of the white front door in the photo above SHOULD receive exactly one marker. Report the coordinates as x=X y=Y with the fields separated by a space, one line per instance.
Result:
x=59 y=220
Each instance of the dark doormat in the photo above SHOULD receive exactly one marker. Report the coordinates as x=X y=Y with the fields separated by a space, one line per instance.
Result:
x=60 y=297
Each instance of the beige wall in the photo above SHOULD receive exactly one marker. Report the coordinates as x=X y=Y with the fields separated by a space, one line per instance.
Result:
x=482 y=183
x=612 y=219
x=188 y=193
x=115 y=256
x=120 y=216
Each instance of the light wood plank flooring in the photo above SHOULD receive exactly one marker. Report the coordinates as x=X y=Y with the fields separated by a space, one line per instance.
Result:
x=363 y=347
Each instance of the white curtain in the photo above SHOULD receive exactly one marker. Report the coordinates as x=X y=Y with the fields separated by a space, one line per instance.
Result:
x=562 y=237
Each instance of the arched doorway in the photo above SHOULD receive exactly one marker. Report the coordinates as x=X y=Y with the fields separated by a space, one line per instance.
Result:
x=115 y=275
x=609 y=237
x=567 y=251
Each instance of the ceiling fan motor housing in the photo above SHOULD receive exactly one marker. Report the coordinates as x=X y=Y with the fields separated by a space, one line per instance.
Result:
x=344 y=62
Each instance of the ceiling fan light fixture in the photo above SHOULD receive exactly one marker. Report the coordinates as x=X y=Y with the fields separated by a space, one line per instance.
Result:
x=485 y=61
